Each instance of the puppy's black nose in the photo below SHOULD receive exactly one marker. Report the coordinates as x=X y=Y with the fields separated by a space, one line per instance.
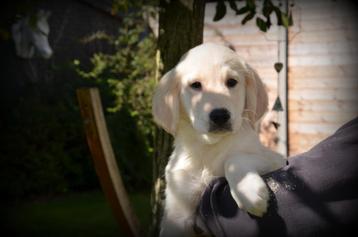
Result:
x=219 y=116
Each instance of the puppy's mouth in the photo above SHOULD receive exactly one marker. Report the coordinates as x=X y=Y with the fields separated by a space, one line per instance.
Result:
x=223 y=128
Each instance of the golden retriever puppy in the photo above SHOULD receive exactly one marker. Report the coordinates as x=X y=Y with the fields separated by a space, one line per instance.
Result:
x=210 y=103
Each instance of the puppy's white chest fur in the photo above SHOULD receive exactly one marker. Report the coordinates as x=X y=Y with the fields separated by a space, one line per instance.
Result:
x=188 y=173
x=194 y=164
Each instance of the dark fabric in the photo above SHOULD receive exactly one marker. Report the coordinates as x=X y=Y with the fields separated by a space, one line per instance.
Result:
x=314 y=195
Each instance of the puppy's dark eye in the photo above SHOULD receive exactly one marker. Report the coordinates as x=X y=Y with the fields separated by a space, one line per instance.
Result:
x=196 y=85
x=231 y=83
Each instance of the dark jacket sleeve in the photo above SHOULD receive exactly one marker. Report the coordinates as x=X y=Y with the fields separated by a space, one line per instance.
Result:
x=314 y=195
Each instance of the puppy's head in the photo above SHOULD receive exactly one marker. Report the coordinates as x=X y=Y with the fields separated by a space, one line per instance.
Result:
x=213 y=88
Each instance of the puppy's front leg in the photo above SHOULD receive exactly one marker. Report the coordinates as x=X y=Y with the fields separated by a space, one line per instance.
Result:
x=176 y=222
x=246 y=186
x=171 y=227
x=179 y=204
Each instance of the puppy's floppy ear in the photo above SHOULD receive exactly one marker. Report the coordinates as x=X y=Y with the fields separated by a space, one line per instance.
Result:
x=165 y=107
x=256 y=97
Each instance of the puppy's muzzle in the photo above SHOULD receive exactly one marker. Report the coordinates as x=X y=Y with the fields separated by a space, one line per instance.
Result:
x=219 y=120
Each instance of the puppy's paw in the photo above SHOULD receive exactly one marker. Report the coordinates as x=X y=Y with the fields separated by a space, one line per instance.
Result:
x=251 y=194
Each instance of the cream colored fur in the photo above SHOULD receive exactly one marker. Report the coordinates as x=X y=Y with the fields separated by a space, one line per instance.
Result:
x=201 y=155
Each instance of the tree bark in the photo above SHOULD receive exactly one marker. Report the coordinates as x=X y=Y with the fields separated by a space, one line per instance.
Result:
x=180 y=29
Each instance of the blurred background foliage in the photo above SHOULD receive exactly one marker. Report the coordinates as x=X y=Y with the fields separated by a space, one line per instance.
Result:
x=128 y=75
x=43 y=148
x=126 y=79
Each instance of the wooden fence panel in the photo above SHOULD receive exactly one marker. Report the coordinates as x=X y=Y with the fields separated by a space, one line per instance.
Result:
x=323 y=71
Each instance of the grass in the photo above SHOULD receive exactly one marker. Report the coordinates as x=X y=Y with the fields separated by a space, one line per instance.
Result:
x=76 y=214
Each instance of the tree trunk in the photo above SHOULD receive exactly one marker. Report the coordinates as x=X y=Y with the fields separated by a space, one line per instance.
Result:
x=180 y=29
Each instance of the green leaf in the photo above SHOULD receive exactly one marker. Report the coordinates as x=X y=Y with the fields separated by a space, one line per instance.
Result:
x=261 y=24
x=76 y=62
x=267 y=8
x=242 y=10
x=278 y=15
x=251 y=4
x=268 y=22
x=248 y=17
x=220 y=11
x=233 y=6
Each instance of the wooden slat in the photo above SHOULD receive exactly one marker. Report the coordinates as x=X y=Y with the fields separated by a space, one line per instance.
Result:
x=328 y=25
x=325 y=36
x=326 y=94
x=319 y=48
x=311 y=127
x=320 y=106
x=104 y=160
x=322 y=83
x=324 y=59
x=301 y=142
x=248 y=39
x=255 y=51
x=323 y=71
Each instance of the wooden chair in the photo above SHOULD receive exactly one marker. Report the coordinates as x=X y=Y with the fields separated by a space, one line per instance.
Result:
x=104 y=160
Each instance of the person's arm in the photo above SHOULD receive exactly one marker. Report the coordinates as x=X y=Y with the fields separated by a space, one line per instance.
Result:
x=316 y=194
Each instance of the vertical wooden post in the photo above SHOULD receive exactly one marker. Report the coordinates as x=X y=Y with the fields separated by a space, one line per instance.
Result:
x=282 y=131
x=104 y=160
